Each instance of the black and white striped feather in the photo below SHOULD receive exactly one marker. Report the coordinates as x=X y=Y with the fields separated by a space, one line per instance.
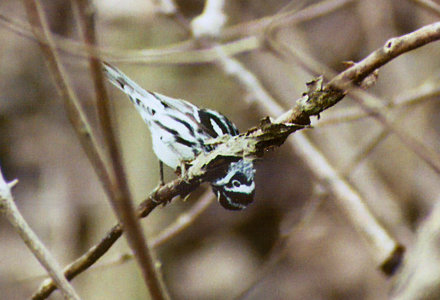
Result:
x=180 y=131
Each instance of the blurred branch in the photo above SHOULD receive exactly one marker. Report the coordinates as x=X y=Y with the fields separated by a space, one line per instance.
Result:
x=179 y=53
x=369 y=103
x=182 y=222
x=386 y=251
x=426 y=91
x=322 y=96
x=183 y=52
x=429 y=5
x=73 y=108
x=188 y=56
x=121 y=199
x=10 y=211
x=366 y=150
x=419 y=277
x=280 y=249
x=331 y=93
x=294 y=16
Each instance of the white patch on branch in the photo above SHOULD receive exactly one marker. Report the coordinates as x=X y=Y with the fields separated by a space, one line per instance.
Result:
x=211 y=21
x=167 y=7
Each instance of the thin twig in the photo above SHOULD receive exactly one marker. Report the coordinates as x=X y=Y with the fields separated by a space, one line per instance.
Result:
x=10 y=211
x=280 y=249
x=179 y=53
x=366 y=150
x=75 y=113
x=420 y=274
x=334 y=91
x=182 y=52
x=121 y=199
x=426 y=91
x=184 y=220
x=369 y=104
x=428 y=5
x=295 y=16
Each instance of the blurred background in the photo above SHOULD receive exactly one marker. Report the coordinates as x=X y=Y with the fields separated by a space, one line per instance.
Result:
x=293 y=242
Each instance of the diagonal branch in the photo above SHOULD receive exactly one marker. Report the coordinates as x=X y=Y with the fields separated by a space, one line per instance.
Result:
x=10 y=211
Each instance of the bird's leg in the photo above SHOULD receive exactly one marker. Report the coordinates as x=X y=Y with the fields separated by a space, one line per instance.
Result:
x=161 y=181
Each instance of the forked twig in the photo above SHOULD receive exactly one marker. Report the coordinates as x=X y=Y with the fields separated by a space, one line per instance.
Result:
x=10 y=211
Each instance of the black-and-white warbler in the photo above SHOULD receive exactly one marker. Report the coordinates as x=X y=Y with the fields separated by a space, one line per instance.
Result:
x=180 y=131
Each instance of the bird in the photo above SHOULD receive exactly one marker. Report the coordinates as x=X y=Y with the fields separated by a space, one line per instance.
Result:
x=180 y=131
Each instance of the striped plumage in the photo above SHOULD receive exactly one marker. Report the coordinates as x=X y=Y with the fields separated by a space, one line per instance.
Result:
x=180 y=131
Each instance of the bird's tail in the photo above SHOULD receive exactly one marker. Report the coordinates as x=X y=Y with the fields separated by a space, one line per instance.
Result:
x=121 y=81
x=145 y=101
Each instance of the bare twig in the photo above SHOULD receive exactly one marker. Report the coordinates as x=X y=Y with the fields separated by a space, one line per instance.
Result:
x=369 y=103
x=279 y=250
x=426 y=91
x=74 y=111
x=10 y=211
x=181 y=52
x=420 y=274
x=429 y=5
x=295 y=16
x=184 y=220
x=366 y=150
x=120 y=197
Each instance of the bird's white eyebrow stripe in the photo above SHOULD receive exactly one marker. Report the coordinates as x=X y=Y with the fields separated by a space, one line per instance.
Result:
x=216 y=128
x=245 y=189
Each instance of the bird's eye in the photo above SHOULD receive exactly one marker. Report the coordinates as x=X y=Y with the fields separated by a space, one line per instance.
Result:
x=236 y=183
